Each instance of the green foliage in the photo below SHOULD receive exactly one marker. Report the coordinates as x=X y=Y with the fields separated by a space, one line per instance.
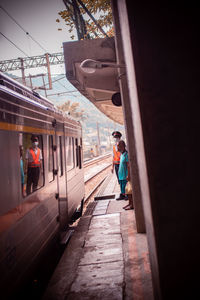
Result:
x=73 y=110
x=77 y=18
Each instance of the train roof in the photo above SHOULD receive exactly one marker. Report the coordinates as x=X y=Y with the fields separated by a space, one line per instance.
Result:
x=38 y=100
x=4 y=77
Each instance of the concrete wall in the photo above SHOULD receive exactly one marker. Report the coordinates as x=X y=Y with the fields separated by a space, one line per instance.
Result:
x=164 y=45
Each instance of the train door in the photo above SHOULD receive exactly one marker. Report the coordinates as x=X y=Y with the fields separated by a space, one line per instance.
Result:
x=61 y=193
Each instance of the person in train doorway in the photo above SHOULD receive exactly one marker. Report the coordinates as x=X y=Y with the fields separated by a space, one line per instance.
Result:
x=116 y=154
x=124 y=171
x=33 y=165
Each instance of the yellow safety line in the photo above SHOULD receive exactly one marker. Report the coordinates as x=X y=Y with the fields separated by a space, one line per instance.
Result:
x=15 y=127
x=22 y=128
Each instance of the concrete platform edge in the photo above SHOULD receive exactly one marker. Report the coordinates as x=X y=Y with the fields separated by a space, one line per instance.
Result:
x=58 y=288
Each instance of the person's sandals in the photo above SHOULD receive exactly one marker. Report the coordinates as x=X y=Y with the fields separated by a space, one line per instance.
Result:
x=128 y=207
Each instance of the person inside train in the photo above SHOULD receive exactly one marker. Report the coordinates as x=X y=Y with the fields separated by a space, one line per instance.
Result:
x=91 y=152
x=116 y=154
x=124 y=171
x=33 y=165
x=21 y=168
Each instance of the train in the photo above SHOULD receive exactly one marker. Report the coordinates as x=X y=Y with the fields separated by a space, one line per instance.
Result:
x=31 y=222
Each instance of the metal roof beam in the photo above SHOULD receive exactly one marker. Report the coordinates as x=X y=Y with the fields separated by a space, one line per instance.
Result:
x=31 y=62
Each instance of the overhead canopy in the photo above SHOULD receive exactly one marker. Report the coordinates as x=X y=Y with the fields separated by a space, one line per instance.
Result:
x=100 y=86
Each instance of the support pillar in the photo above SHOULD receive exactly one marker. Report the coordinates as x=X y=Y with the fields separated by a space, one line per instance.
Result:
x=129 y=126
x=161 y=51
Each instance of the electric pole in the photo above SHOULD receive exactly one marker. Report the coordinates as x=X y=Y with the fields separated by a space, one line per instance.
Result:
x=98 y=139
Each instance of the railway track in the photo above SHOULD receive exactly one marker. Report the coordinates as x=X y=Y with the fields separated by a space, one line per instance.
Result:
x=95 y=160
x=96 y=170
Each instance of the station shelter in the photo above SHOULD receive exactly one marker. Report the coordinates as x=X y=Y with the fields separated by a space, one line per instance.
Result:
x=147 y=78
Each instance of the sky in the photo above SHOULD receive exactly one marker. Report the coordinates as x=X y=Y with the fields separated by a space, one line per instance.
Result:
x=38 y=18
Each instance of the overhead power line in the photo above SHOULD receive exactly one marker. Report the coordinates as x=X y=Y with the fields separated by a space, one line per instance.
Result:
x=61 y=93
x=13 y=44
x=30 y=62
x=27 y=33
x=53 y=81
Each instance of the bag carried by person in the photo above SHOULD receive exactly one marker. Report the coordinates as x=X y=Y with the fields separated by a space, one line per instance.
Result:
x=128 y=189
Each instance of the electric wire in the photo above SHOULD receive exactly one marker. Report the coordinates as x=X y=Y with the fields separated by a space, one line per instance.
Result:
x=68 y=91
x=13 y=44
x=37 y=44
x=23 y=29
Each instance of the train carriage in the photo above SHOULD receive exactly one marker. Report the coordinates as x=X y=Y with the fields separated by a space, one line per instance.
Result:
x=30 y=222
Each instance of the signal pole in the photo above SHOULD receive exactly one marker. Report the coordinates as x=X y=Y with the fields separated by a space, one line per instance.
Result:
x=108 y=131
x=22 y=69
x=98 y=138
x=48 y=70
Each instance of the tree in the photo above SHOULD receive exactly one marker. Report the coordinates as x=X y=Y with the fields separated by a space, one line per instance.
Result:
x=72 y=110
x=79 y=15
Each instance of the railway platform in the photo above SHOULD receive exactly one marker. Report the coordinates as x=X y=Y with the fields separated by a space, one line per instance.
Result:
x=105 y=258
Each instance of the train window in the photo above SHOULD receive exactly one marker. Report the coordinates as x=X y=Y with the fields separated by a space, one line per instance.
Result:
x=80 y=157
x=60 y=156
x=70 y=153
x=50 y=159
x=77 y=153
x=31 y=162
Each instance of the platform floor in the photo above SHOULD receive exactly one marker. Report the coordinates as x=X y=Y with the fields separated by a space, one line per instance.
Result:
x=105 y=258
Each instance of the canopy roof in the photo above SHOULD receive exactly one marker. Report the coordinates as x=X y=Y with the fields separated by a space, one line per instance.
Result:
x=99 y=86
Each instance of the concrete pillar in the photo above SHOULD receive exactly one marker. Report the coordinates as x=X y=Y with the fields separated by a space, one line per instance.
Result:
x=161 y=52
x=129 y=126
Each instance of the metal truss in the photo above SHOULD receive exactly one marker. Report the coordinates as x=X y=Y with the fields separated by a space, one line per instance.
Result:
x=31 y=62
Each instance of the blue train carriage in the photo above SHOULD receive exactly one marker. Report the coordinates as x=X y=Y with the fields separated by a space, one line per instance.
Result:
x=31 y=222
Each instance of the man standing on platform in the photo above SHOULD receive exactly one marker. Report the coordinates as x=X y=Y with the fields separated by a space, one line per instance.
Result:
x=116 y=154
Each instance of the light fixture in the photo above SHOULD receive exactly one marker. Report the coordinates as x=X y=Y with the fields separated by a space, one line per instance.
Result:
x=90 y=65
x=116 y=99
